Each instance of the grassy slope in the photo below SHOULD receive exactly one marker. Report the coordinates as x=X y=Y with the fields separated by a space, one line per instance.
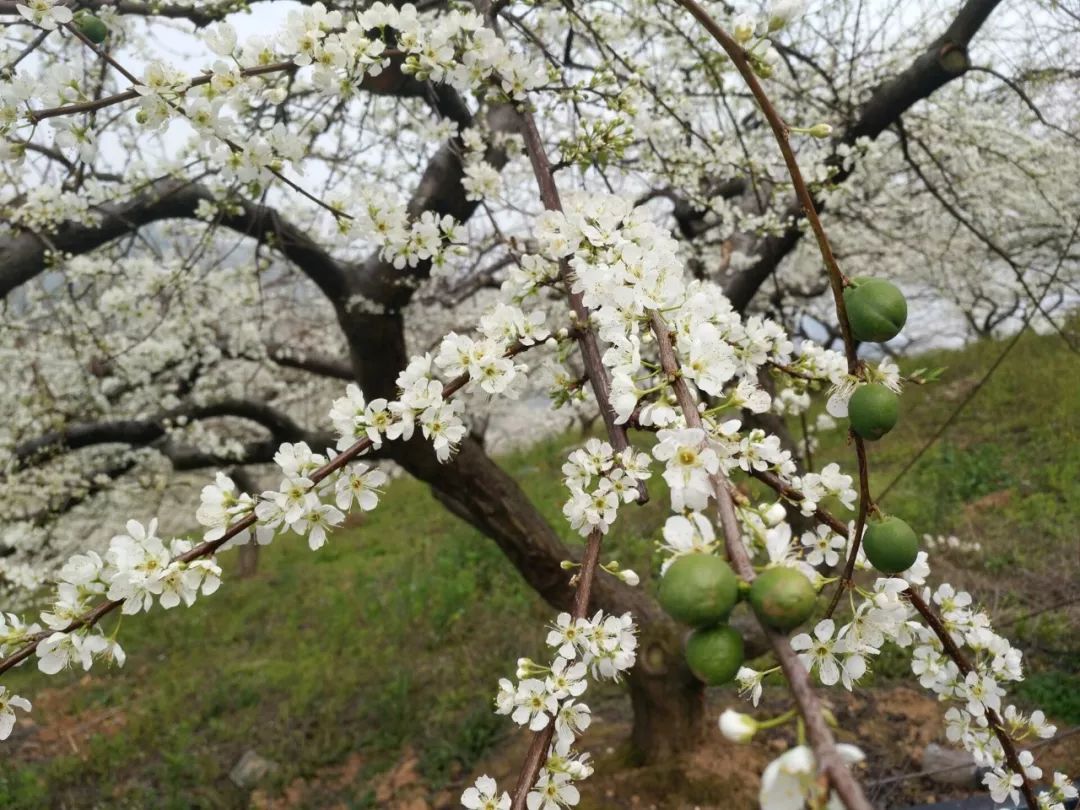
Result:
x=1006 y=474
x=394 y=634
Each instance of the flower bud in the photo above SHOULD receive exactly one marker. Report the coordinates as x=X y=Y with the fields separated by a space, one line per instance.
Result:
x=630 y=578
x=820 y=131
x=743 y=28
x=774 y=515
x=737 y=727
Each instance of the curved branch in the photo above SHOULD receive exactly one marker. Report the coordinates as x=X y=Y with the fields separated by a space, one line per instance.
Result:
x=319 y=364
x=24 y=256
x=943 y=60
x=820 y=736
x=144 y=432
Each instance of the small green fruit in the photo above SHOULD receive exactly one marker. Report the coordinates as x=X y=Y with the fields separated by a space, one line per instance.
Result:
x=873 y=410
x=92 y=28
x=876 y=309
x=891 y=545
x=699 y=589
x=714 y=654
x=782 y=597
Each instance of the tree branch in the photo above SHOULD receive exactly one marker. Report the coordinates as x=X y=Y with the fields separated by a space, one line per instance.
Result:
x=23 y=256
x=322 y=365
x=143 y=432
x=942 y=61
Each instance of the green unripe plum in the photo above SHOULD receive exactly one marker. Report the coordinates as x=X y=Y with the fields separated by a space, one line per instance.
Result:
x=782 y=597
x=876 y=309
x=890 y=545
x=873 y=410
x=92 y=28
x=699 y=590
x=714 y=654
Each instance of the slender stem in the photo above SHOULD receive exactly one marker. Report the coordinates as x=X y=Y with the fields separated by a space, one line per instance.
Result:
x=233 y=146
x=837 y=280
x=36 y=116
x=598 y=379
x=536 y=756
x=965 y=667
x=586 y=338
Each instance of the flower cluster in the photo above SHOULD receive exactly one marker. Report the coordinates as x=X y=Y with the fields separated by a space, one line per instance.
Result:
x=139 y=568
x=336 y=55
x=599 y=481
x=404 y=241
x=603 y=646
x=840 y=654
x=829 y=483
x=978 y=695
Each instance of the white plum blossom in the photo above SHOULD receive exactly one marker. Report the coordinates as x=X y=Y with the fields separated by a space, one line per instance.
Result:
x=359 y=484
x=791 y=780
x=553 y=791
x=690 y=463
x=750 y=683
x=833 y=658
x=737 y=727
x=221 y=507
x=47 y=14
x=823 y=546
x=8 y=704
x=484 y=795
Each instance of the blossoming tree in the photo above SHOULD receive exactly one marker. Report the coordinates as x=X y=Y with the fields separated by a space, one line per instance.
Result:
x=413 y=215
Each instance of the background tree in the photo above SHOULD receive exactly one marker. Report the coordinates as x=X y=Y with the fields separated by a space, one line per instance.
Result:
x=188 y=292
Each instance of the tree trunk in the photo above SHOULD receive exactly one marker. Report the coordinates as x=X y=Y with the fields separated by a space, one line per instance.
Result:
x=247 y=560
x=667 y=700
x=248 y=554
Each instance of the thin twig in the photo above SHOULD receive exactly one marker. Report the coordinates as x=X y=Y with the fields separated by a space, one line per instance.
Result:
x=598 y=379
x=837 y=280
x=934 y=622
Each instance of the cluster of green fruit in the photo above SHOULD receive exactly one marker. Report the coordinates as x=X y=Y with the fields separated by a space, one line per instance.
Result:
x=701 y=590
x=877 y=311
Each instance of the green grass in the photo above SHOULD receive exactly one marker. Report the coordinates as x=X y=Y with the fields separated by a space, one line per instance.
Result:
x=350 y=649
x=1006 y=474
x=395 y=633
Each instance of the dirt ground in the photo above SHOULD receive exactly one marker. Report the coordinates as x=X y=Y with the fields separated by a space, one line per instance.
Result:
x=893 y=726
